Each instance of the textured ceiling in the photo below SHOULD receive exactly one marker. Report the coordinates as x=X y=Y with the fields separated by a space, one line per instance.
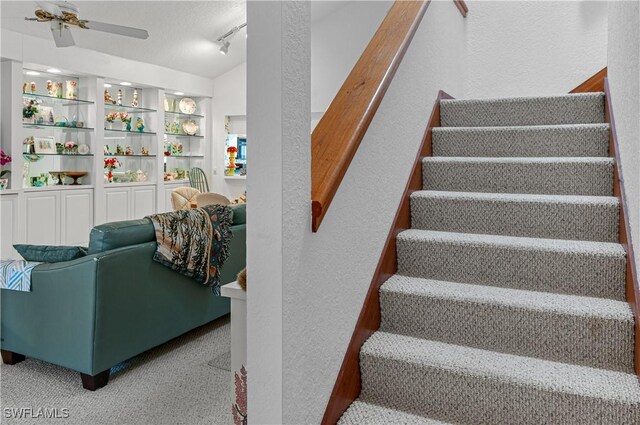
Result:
x=181 y=33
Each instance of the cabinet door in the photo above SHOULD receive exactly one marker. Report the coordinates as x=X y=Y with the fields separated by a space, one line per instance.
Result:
x=77 y=216
x=9 y=223
x=117 y=204
x=167 y=198
x=143 y=200
x=42 y=215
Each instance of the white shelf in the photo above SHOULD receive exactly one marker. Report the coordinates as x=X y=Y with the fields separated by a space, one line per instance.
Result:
x=58 y=187
x=128 y=184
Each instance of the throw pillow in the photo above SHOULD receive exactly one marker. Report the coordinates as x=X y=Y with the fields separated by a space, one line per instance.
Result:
x=239 y=213
x=50 y=254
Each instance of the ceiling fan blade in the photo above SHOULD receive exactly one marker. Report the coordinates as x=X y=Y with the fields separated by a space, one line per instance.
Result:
x=61 y=34
x=117 y=29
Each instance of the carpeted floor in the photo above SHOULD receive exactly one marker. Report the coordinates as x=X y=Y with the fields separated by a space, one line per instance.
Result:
x=171 y=384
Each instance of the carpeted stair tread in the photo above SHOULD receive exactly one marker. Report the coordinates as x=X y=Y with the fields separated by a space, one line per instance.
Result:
x=361 y=413
x=592 y=176
x=548 y=265
x=583 y=108
x=593 y=218
x=470 y=385
x=590 y=140
x=594 y=332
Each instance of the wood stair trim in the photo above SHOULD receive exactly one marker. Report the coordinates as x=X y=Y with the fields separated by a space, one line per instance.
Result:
x=347 y=386
x=595 y=83
x=631 y=278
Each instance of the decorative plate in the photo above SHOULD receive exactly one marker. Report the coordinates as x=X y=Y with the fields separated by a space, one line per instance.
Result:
x=83 y=149
x=187 y=105
x=190 y=127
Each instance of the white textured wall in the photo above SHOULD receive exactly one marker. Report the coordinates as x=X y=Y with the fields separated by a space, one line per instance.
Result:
x=333 y=268
x=337 y=41
x=230 y=98
x=533 y=48
x=624 y=84
x=278 y=120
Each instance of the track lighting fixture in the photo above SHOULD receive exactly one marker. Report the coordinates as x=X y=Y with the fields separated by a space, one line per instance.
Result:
x=224 y=43
x=225 y=47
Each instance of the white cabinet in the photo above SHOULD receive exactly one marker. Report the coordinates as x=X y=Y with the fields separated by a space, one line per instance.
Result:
x=143 y=201
x=76 y=216
x=128 y=203
x=42 y=218
x=9 y=213
x=58 y=217
x=117 y=204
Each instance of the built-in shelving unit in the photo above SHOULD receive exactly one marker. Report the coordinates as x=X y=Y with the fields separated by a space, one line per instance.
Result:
x=58 y=123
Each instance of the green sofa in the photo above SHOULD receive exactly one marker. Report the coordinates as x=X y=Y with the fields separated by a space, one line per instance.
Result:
x=94 y=312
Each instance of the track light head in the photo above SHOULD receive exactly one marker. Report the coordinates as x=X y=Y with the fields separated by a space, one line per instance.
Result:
x=224 y=49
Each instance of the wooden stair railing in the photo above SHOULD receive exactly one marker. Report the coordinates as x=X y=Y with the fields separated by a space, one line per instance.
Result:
x=599 y=83
x=337 y=136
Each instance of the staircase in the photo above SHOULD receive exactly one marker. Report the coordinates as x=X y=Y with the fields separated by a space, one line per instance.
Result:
x=509 y=303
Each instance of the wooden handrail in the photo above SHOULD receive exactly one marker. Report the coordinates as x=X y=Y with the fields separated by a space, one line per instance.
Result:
x=337 y=136
x=462 y=7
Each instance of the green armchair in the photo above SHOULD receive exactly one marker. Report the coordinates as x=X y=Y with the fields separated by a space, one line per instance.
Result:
x=94 y=312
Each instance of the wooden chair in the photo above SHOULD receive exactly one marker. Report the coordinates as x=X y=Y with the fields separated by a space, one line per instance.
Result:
x=198 y=180
x=183 y=197
x=209 y=198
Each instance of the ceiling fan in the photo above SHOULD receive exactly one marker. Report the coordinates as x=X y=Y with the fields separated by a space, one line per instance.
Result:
x=63 y=15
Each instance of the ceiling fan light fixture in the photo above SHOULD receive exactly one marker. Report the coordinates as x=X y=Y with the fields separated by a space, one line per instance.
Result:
x=179 y=93
x=54 y=70
x=107 y=85
x=32 y=73
x=124 y=83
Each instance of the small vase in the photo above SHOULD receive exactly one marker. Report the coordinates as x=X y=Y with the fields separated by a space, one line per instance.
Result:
x=128 y=126
x=4 y=183
x=110 y=177
x=109 y=125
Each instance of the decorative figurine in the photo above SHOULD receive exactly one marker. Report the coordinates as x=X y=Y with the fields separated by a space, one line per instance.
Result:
x=134 y=103
x=119 y=101
x=140 y=125
x=51 y=120
x=24 y=87
x=128 y=151
x=119 y=150
x=145 y=151
x=32 y=86
x=58 y=85
x=106 y=150
x=71 y=90
x=141 y=176
x=51 y=91
x=107 y=97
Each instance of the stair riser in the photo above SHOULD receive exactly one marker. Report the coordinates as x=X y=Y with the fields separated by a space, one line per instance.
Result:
x=459 y=397
x=547 y=178
x=584 y=109
x=588 y=222
x=564 y=141
x=510 y=267
x=587 y=341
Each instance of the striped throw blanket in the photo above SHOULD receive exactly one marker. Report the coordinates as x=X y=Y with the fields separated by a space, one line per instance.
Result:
x=194 y=242
x=16 y=274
